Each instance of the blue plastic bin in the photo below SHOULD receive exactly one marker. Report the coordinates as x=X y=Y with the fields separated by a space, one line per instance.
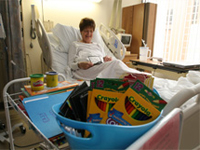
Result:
x=104 y=136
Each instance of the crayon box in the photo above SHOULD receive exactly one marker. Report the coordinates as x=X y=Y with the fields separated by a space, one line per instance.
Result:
x=131 y=109
x=114 y=85
x=100 y=103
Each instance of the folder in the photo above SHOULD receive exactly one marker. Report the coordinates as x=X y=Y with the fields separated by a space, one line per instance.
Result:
x=39 y=109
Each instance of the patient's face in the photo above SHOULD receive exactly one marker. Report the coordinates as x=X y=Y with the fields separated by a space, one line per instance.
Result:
x=87 y=35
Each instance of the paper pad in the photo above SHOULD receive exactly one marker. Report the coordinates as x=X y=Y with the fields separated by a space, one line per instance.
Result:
x=39 y=109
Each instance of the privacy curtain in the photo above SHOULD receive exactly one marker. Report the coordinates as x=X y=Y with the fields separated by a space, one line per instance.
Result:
x=13 y=65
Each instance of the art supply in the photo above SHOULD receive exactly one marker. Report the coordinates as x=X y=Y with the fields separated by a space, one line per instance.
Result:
x=100 y=103
x=123 y=85
x=37 y=82
x=52 y=79
x=145 y=53
x=109 y=84
x=148 y=95
x=131 y=109
x=62 y=86
x=103 y=136
x=146 y=79
x=39 y=109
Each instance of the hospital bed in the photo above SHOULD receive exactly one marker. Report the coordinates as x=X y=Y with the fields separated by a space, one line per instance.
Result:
x=62 y=36
x=178 y=93
x=182 y=95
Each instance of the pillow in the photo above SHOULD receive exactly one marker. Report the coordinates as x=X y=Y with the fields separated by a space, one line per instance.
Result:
x=69 y=34
x=97 y=38
x=66 y=35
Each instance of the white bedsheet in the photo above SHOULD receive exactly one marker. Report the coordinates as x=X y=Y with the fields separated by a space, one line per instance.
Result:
x=168 y=88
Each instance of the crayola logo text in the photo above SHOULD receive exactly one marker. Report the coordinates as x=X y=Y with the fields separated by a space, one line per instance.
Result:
x=139 y=106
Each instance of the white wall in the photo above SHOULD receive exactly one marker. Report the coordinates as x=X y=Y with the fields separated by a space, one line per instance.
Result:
x=126 y=3
x=67 y=12
x=70 y=12
x=32 y=54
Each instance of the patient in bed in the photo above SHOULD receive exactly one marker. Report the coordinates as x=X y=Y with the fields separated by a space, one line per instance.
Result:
x=87 y=59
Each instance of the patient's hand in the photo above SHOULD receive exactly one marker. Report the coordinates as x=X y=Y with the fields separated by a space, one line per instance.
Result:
x=106 y=58
x=85 y=65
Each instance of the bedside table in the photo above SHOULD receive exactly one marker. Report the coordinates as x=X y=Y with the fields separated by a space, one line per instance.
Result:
x=129 y=57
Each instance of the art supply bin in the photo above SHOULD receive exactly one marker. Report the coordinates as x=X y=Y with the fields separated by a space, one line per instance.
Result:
x=104 y=136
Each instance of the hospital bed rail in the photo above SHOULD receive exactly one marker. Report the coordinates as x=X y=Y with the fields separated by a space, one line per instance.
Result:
x=11 y=102
x=112 y=42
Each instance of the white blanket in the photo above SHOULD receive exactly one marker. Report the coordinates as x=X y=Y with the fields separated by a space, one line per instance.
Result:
x=111 y=69
x=168 y=88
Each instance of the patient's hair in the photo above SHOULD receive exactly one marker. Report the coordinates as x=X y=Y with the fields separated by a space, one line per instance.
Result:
x=87 y=22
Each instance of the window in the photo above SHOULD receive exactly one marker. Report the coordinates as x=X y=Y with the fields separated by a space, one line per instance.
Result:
x=177 y=32
x=195 y=11
x=169 y=17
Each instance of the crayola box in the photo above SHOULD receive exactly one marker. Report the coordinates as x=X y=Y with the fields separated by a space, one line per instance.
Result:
x=138 y=105
x=132 y=109
x=106 y=84
x=100 y=103
x=147 y=94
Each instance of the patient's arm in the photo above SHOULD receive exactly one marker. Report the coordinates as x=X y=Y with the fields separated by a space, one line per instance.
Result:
x=85 y=65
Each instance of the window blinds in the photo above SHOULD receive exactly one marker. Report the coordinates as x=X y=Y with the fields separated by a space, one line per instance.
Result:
x=177 y=35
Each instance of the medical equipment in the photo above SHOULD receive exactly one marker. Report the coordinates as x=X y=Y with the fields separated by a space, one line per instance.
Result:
x=125 y=39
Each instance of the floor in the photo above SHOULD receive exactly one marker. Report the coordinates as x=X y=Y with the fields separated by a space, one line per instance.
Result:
x=22 y=141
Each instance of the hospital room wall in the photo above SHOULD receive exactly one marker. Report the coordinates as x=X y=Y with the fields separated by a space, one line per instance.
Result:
x=71 y=12
x=68 y=12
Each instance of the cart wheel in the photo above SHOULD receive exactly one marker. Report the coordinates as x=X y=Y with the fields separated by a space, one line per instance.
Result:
x=23 y=129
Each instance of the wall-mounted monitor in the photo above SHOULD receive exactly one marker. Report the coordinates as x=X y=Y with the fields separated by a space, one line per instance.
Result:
x=125 y=39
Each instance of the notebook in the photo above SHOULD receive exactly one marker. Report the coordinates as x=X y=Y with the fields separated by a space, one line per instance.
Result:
x=183 y=65
x=39 y=109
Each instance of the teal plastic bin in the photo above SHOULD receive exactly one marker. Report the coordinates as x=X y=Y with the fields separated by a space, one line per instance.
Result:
x=104 y=136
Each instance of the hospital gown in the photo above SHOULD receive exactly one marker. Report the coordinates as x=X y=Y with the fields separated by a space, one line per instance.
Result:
x=80 y=52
